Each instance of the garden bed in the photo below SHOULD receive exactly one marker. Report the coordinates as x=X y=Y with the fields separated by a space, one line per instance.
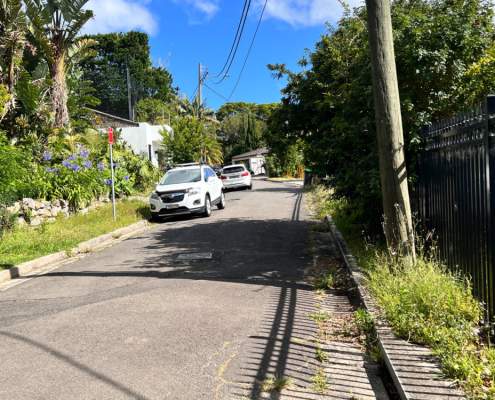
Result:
x=27 y=243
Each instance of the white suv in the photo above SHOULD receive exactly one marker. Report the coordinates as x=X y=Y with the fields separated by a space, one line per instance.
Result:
x=236 y=176
x=188 y=189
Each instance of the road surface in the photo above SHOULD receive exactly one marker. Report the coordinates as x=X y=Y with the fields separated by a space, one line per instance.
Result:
x=203 y=308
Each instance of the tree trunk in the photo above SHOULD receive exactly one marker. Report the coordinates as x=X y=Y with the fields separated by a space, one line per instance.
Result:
x=393 y=176
x=59 y=93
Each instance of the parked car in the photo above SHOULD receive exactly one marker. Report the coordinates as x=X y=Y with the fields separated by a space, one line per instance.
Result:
x=236 y=176
x=187 y=189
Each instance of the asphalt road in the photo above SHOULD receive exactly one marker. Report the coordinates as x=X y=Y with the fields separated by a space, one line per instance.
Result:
x=193 y=309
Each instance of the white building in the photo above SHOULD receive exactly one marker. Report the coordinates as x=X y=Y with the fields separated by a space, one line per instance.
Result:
x=253 y=160
x=145 y=139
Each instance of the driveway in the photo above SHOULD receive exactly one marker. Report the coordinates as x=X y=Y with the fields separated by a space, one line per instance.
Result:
x=192 y=309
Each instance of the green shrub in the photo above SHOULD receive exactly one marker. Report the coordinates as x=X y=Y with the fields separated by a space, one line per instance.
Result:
x=14 y=172
x=7 y=220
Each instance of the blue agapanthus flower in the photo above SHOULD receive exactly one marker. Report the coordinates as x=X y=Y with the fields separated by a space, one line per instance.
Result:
x=47 y=156
x=72 y=157
x=126 y=178
x=84 y=153
x=66 y=163
x=108 y=182
x=87 y=164
x=51 y=170
x=100 y=166
x=75 y=167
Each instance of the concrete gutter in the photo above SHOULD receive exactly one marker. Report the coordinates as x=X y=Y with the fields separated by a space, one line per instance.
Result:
x=415 y=371
x=88 y=246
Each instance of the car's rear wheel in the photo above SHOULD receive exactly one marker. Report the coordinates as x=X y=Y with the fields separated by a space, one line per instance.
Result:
x=221 y=204
x=207 y=211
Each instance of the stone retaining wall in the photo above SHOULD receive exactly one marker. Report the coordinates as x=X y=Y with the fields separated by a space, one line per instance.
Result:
x=35 y=212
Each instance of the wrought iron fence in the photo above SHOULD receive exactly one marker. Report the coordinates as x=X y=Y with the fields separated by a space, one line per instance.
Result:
x=456 y=195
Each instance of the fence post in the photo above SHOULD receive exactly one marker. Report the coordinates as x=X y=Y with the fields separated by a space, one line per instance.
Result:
x=490 y=182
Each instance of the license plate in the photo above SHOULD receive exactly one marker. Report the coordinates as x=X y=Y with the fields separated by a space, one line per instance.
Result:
x=235 y=176
x=171 y=206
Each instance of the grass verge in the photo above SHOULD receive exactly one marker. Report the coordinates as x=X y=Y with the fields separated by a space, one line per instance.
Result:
x=27 y=243
x=424 y=303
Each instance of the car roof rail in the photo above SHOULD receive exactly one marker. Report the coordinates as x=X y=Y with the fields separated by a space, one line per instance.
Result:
x=192 y=164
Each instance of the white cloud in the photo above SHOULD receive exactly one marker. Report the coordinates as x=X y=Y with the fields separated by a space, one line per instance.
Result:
x=120 y=16
x=199 y=10
x=306 y=12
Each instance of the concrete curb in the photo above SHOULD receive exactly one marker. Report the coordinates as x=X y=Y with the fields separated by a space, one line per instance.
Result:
x=416 y=373
x=88 y=246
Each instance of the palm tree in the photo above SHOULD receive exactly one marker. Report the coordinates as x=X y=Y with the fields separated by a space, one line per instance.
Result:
x=55 y=25
x=12 y=44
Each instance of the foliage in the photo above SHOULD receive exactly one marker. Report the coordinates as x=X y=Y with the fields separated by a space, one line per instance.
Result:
x=192 y=140
x=7 y=221
x=153 y=111
x=432 y=306
x=14 y=173
x=260 y=111
x=12 y=44
x=24 y=244
x=55 y=27
x=444 y=56
x=424 y=303
x=241 y=132
x=114 y=52
x=288 y=162
x=5 y=98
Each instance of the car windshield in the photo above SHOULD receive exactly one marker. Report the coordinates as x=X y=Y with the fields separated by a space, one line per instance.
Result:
x=233 y=170
x=176 y=176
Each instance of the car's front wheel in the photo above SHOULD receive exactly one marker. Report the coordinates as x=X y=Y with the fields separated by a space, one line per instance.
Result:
x=221 y=204
x=207 y=211
x=155 y=217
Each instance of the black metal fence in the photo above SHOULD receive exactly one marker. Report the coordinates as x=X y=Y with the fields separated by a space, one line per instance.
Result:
x=456 y=195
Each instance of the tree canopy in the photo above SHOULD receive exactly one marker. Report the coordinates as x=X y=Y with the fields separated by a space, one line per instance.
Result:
x=107 y=72
x=444 y=54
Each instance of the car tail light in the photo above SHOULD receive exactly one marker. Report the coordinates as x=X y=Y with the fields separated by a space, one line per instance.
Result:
x=245 y=173
x=223 y=177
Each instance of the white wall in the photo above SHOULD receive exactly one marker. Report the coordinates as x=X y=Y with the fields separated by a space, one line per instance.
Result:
x=140 y=138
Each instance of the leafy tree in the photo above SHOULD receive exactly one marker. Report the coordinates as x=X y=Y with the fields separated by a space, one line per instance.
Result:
x=444 y=54
x=107 y=70
x=55 y=26
x=241 y=132
x=12 y=44
x=154 y=111
x=243 y=126
x=192 y=140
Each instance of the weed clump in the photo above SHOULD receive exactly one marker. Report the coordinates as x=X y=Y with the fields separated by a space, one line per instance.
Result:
x=430 y=305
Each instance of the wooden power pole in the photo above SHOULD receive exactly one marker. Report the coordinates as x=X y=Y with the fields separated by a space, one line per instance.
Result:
x=200 y=89
x=393 y=175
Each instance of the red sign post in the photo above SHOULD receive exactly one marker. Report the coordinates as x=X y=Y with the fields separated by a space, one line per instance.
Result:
x=110 y=135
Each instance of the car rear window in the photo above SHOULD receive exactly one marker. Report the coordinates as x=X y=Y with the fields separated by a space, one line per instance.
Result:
x=233 y=170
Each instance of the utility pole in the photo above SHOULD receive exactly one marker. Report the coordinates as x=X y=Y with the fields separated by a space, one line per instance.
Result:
x=200 y=88
x=129 y=97
x=393 y=176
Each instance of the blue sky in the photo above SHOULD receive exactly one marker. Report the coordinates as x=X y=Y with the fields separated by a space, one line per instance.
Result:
x=185 y=32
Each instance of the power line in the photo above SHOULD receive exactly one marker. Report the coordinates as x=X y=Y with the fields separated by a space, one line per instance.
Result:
x=217 y=93
x=239 y=37
x=243 y=18
x=248 y=52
